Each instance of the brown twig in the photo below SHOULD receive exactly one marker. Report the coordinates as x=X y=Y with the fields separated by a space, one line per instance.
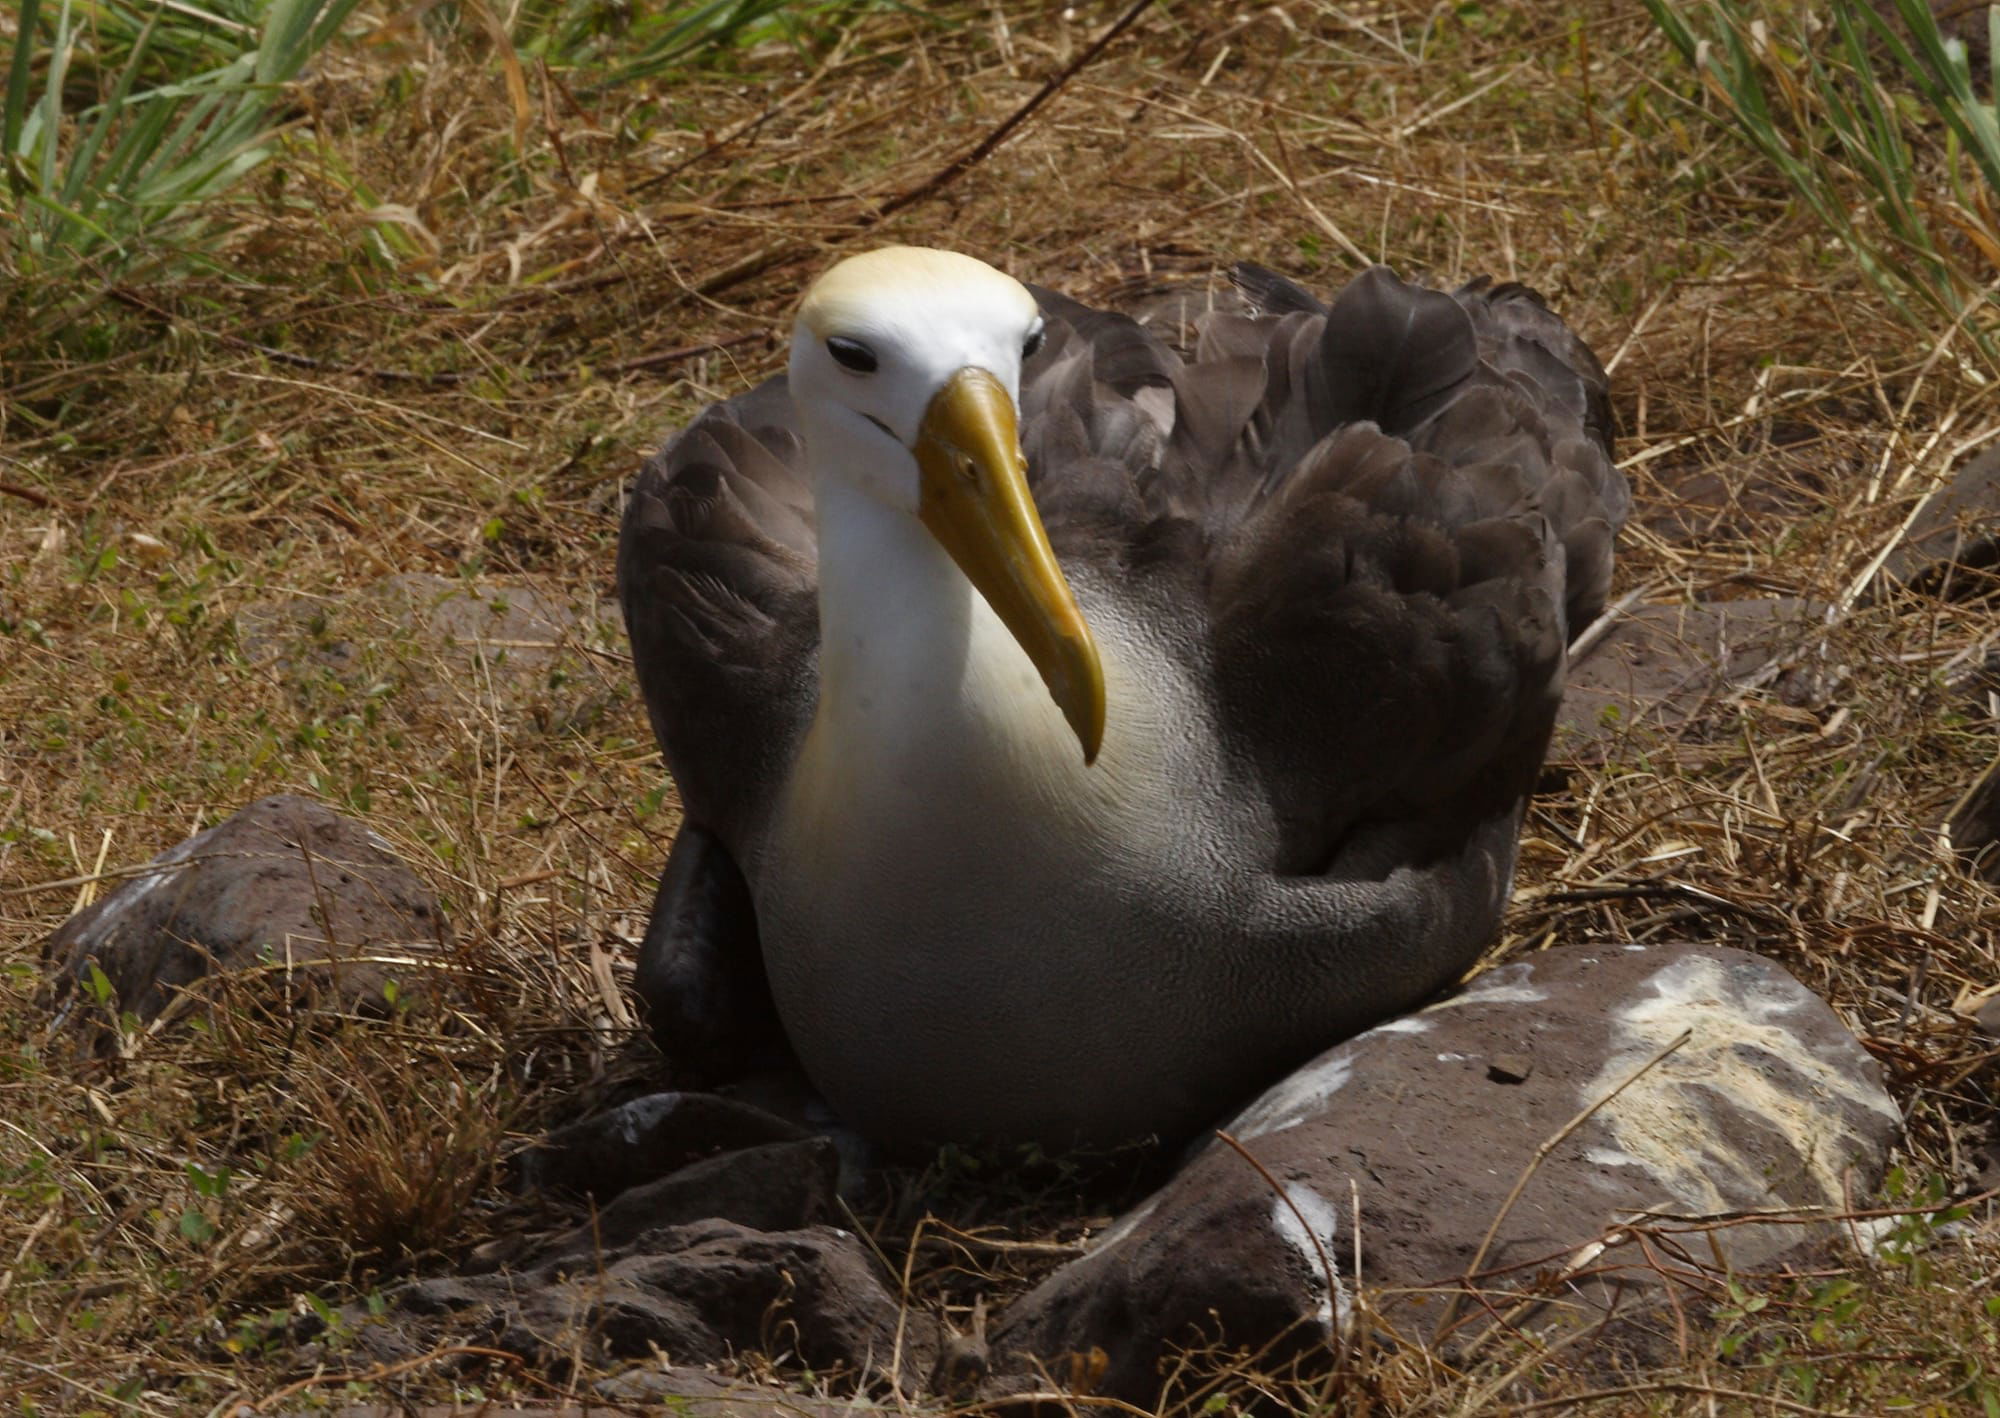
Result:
x=441 y=379
x=451 y=378
x=385 y=1371
x=984 y=148
x=40 y=499
x=784 y=253
x=1676 y=1386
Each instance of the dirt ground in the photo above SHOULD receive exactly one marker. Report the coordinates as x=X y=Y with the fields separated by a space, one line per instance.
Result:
x=457 y=312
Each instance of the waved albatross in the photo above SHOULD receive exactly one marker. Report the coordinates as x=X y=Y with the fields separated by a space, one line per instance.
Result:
x=1074 y=735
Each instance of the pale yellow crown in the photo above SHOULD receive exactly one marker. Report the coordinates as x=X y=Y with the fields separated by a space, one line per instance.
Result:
x=843 y=297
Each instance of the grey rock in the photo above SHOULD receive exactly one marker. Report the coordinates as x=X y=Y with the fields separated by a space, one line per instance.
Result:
x=1985 y=1160
x=1660 y=667
x=1952 y=547
x=685 y=1393
x=420 y=641
x=780 y=1186
x=697 y=1393
x=1709 y=499
x=1769 y=1105
x=286 y=883
x=1951 y=550
x=697 y=1294
x=1974 y=824
x=646 y=1139
x=1509 y=1068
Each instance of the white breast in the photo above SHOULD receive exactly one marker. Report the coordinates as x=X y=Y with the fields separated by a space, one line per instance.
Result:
x=962 y=919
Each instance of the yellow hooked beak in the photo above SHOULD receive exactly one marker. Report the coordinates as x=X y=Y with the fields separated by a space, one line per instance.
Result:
x=975 y=502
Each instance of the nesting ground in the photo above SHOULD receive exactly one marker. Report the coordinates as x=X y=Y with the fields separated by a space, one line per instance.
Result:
x=455 y=318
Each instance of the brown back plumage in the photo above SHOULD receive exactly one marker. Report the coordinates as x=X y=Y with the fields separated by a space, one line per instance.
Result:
x=1370 y=530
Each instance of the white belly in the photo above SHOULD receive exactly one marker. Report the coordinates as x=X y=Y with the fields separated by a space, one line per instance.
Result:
x=962 y=921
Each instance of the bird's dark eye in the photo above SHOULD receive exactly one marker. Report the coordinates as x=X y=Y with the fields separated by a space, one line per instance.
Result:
x=851 y=354
x=1032 y=346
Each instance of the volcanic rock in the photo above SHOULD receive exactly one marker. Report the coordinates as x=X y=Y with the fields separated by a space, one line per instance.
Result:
x=286 y=884
x=700 y=1293
x=1952 y=547
x=419 y=642
x=1660 y=667
x=780 y=1186
x=646 y=1139
x=1643 y=1161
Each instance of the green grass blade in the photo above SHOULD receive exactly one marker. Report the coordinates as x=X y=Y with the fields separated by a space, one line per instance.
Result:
x=286 y=25
x=150 y=153
x=69 y=216
x=1993 y=52
x=84 y=159
x=331 y=18
x=202 y=123
x=50 y=134
x=18 y=73
x=1853 y=152
x=138 y=138
x=1930 y=65
x=123 y=171
x=1945 y=82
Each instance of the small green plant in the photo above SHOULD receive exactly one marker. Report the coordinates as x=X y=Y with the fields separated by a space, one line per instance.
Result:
x=127 y=181
x=99 y=986
x=1910 y=1240
x=1739 y=1318
x=1878 y=129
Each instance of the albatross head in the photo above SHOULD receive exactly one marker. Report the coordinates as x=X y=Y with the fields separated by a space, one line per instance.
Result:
x=906 y=367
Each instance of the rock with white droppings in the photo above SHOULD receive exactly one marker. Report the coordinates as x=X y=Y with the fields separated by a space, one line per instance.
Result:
x=286 y=885
x=1304 y=1095
x=1409 y=1137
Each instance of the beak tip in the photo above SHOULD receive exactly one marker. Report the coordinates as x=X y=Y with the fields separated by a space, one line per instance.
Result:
x=1088 y=722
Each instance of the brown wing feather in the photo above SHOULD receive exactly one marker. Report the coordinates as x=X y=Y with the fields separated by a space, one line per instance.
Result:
x=1402 y=507
x=717 y=573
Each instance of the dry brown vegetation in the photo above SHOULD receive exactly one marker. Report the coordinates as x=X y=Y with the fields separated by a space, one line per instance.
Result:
x=459 y=310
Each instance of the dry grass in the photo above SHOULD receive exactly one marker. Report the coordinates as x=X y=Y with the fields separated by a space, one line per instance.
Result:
x=460 y=316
